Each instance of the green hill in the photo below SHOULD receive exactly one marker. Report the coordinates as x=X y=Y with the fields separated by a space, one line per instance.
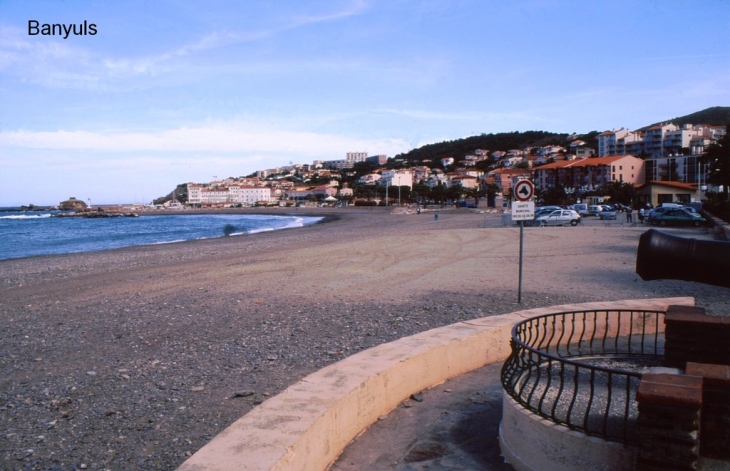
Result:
x=716 y=116
x=501 y=141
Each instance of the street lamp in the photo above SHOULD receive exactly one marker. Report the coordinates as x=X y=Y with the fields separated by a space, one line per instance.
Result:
x=569 y=190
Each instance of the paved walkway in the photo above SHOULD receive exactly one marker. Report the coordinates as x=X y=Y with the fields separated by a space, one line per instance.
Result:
x=455 y=426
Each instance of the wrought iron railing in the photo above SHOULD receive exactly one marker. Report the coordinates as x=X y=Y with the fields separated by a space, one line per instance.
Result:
x=582 y=369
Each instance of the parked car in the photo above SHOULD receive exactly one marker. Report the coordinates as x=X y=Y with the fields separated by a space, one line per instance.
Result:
x=580 y=208
x=559 y=217
x=607 y=213
x=677 y=217
x=541 y=211
x=594 y=209
x=649 y=215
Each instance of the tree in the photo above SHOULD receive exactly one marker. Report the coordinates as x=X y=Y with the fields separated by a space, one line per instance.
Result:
x=717 y=157
x=621 y=192
x=421 y=192
x=438 y=193
x=554 y=195
x=471 y=193
x=490 y=190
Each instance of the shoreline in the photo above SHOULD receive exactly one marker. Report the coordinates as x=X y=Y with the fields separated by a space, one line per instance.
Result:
x=138 y=356
x=322 y=219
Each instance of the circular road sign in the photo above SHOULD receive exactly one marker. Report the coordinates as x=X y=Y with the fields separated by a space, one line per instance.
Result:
x=524 y=190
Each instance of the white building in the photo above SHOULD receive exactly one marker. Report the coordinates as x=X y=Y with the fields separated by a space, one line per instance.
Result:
x=227 y=195
x=397 y=178
x=662 y=140
x=356 y=156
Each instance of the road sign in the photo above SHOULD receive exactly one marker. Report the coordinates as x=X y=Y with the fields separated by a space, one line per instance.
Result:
x=523 y=210
x=524 y=190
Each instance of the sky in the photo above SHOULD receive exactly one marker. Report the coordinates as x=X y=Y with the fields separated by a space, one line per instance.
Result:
x=176 y=91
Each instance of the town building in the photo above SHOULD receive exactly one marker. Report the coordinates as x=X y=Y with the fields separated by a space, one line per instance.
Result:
x=220 y=195
x=356 y=156
x=504 y=178
x=397 y=178
x=590 y=174
x=672 y=153
x=655 y=193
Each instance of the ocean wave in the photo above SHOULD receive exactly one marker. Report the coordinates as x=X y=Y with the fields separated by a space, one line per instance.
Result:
x=26 y=216
x=301 y=222
x=166 y=242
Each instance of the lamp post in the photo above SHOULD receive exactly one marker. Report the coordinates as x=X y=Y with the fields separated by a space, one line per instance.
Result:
x=569 y=190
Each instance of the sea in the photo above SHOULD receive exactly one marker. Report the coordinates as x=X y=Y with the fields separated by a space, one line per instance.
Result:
x=32 y=233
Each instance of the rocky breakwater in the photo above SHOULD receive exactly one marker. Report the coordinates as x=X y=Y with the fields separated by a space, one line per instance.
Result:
x=97 y=214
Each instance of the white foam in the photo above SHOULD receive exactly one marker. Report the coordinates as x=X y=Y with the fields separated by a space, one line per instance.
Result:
x=26 y=216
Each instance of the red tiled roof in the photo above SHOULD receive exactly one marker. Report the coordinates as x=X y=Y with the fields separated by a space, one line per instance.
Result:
x=511 y=171
x=583 y=162
x=672 y=184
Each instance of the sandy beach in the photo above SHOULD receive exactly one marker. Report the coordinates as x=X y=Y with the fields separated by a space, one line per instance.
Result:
x=134 y=358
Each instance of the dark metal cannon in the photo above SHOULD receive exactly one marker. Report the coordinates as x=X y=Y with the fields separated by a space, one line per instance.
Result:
x=663 y=256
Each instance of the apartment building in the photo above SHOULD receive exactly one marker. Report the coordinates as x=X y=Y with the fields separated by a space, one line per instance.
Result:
x=356 y=156
x=672 y=153
x=397 y=178
x=590 y=174
x=659 y=141
x=504 y=178
x=205 y=195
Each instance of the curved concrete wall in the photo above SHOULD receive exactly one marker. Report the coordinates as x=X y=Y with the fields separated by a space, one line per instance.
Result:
x=307 y=426
x=554 y=447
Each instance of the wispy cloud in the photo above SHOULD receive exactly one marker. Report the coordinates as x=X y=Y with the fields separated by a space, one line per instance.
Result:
x=213 y=138
x=57 y=64
x=49 y=63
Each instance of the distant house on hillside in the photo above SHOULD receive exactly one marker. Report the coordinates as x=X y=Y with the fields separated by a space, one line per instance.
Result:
x=446 y=161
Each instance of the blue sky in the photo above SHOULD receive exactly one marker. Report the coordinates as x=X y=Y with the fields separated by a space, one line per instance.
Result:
x=175 y=91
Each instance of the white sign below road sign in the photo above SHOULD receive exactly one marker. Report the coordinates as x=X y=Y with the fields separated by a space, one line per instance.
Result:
x=523 y=210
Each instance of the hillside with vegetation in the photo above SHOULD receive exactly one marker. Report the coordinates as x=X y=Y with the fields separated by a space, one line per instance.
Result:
x=430 y=155
x=716 y=116
x=505 y=141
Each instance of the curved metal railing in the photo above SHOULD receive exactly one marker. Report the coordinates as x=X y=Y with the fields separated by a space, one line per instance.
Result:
x=581 y=369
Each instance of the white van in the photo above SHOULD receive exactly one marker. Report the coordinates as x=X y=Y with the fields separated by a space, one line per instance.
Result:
x=580 y=208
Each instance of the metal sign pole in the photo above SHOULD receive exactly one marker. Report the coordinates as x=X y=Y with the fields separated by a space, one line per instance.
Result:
x=523 y=209
x=519 y=286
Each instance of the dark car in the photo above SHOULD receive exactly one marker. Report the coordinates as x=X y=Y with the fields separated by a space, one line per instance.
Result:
x=676 y=217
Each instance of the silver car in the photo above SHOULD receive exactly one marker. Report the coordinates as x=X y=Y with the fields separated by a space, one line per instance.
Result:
x=559 y=217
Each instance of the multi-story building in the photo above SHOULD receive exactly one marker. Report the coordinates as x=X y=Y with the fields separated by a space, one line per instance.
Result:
x=377 y=159
x=464 y=181
x=672 y=153
x=217 y=195
x=590 y=174
x=397 y=178
x=608 y=140
x=664 y=140
x=504 y=178
x=356 y=156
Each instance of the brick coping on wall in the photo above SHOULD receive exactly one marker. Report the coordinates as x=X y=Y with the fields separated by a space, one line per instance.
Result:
x=308 y=425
